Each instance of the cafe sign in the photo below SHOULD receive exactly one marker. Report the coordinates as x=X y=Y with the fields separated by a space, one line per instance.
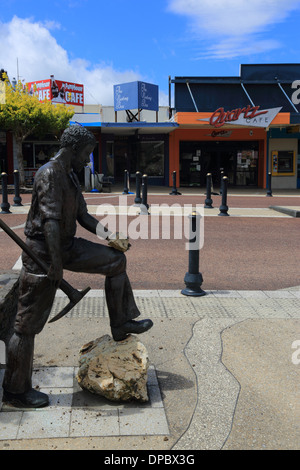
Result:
x=57 y=91
x=247 y=116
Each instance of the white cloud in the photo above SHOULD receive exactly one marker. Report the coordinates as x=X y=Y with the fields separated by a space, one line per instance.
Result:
x=234 y=27
x=39 y=55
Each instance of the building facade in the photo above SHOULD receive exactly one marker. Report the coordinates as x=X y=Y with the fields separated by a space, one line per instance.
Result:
x=247 y=125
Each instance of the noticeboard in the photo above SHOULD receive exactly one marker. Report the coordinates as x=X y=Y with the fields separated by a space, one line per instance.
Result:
x=283 y=163
x=135 y=95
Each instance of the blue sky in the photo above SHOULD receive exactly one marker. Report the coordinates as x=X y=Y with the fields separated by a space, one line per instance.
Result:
x=101 y=43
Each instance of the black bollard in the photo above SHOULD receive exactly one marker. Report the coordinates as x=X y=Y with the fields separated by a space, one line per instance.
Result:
x=193 y=278
x=138 y=198
x=17 y=198
x=221 y=179
x=174 y=191
x=126 y=190
x=144 y=205
x=5 y=204
x=269 y=192
x=223 y=207
x=208 y=200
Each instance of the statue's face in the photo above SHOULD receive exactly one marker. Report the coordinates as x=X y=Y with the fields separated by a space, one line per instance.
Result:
x=82 y=157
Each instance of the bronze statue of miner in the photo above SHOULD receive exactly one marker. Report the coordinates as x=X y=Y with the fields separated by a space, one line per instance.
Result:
x=57 y=204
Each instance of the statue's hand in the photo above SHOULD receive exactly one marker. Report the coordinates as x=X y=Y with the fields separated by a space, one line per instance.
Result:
x=119 y=242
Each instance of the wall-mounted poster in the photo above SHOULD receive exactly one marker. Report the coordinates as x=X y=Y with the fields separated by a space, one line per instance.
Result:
x=283 y=163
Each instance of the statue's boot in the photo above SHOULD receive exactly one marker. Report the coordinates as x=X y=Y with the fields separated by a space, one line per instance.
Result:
x=122 y=308
x=17 y=386
x=131 y=327
x=30 y=399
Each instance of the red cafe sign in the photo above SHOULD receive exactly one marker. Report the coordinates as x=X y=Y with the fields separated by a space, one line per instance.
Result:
x=247 y=116
x=57 y=91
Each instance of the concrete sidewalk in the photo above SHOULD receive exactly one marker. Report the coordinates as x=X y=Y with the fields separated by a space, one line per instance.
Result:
x=159 y=209
x=224 y=374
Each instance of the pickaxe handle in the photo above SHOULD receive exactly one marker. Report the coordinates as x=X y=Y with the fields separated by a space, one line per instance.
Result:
x=74 y=295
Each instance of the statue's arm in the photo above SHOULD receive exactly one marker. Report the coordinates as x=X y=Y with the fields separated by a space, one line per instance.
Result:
x=115 y=239
x=52 y=235
x=93 y=225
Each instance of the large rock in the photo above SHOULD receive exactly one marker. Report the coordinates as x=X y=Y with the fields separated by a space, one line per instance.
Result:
x=115 y=370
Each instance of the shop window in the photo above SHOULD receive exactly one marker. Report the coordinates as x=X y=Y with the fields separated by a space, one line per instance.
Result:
x=150 y=158
x=246 y=167
x=36 y=155
x=28 y=157
x=43 y=153
x=283 y=163
x=110 y=158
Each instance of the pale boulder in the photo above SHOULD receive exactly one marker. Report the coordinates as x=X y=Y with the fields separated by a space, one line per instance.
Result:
x=116 y=370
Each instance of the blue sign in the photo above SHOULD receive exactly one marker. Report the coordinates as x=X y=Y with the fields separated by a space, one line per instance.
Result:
x=136 y=95
x=92 y=164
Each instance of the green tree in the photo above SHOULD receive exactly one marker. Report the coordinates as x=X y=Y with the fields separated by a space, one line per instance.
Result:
x=23 y=114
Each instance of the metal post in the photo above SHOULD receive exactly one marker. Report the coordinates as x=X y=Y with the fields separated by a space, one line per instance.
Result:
x=193 y=278
x=208 y=200
x=138 y=198
x=126 y=191
x=269 y=192
x=144 y=205
x=221 y=179
x=17 y=198
x=174 y=191
x=5 y=204
x=223 y=207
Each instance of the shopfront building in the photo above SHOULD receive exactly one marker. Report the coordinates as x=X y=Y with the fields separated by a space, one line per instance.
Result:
x=246 y=126
x=133 y=146
x=284 y=157
x=239 y=153
x=133 y=150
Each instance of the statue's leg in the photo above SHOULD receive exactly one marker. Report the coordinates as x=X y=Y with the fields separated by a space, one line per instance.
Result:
x=89 y=257
x=35 y=301
x=18 y=372
x=120 y=300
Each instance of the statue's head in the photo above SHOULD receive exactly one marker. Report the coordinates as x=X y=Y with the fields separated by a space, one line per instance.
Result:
x=81 y=142
x=77 y=137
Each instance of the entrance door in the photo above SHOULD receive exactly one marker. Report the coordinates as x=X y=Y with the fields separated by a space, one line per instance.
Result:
x=121 y=159
x=239 y=160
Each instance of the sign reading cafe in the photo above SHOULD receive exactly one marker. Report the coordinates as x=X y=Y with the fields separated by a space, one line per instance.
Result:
x=247 y=116
x=57 y=91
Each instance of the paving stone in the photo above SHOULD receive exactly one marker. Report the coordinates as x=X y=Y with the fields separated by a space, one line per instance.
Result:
x=179 y=307
x=151 y=307
x=59 y=397
x=139 y=422
x=94 y=423
x=9 y=424
x=252 y=294
x=53 y=377
x=74 y=412
x=44 y=424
